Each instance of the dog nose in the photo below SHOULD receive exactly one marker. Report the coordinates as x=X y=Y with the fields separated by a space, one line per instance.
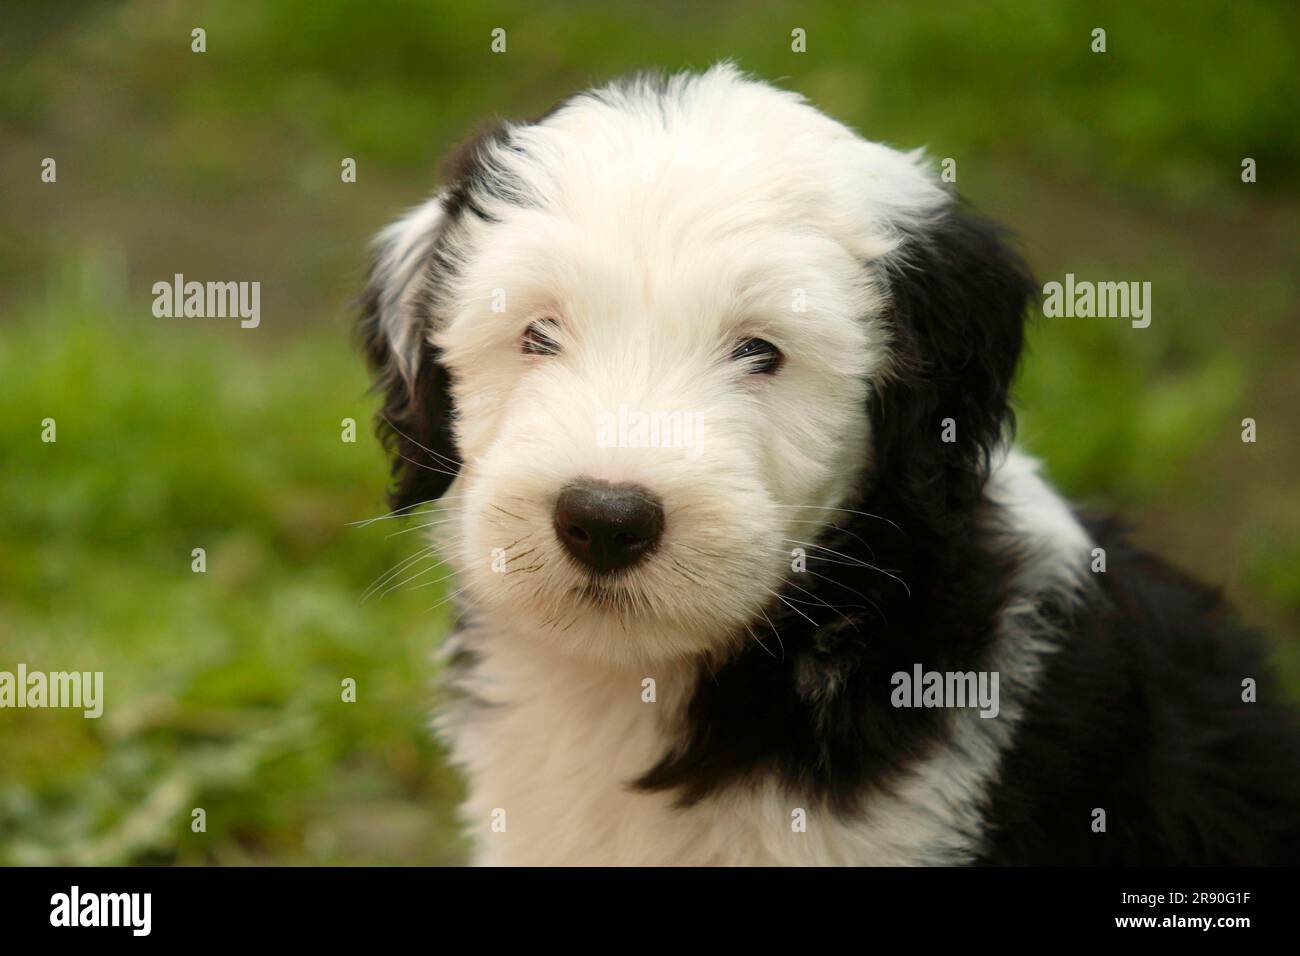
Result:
x=608 y=526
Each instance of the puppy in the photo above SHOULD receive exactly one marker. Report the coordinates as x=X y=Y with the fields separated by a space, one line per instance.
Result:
x=714 y=396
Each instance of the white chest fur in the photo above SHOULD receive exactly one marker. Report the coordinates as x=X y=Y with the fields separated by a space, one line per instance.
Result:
x=551 y=758
x=551 y=755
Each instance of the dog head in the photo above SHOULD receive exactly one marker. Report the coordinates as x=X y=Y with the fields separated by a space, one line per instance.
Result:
x=646 y=347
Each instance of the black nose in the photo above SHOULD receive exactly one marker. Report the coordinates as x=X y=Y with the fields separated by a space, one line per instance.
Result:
x=607 y=526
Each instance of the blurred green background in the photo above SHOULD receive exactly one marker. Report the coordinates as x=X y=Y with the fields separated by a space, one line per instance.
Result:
x=223 y=688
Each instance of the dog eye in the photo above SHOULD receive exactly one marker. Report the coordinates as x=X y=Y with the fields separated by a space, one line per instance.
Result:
x=537 y=339
x=763 y=357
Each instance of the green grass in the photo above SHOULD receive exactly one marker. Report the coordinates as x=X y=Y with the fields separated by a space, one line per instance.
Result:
x=223 y=688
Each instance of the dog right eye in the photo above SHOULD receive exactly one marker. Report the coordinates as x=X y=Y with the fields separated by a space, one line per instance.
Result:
x=538 y=340
x=763 y=357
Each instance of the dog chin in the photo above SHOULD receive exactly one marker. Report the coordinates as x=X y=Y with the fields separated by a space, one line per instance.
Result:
x=605 y=621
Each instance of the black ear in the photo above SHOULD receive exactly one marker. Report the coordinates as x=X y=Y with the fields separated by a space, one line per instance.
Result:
x=959 y=293
x=415 y=421
x=413 y=259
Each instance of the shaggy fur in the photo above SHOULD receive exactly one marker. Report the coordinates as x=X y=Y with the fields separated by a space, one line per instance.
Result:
x=727 y=700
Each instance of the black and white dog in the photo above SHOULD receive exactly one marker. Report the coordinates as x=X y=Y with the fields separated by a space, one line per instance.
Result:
x=714 y=396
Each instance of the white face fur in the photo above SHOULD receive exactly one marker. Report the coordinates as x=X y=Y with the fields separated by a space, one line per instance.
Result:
x=652 y=231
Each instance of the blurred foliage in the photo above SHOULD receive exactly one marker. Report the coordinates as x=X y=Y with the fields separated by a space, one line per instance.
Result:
x=223 y=687
x=1176 y=92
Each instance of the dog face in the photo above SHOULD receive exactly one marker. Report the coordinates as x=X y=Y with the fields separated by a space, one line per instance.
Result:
x=649 y=344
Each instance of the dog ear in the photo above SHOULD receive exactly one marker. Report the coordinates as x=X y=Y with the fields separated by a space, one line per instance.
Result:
x=411 y=258
x=414 y=421
x=959 y=292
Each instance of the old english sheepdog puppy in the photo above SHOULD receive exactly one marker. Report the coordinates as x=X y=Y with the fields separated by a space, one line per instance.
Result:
x=712 y=395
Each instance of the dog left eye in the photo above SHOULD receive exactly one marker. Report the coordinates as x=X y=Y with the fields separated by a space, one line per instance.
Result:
x=537 y=340
x=763 y=357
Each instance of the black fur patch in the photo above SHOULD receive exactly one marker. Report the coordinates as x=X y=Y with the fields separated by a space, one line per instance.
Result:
x=1140 y=714
x=959 y=295
x=469 y=175
x=414 y=425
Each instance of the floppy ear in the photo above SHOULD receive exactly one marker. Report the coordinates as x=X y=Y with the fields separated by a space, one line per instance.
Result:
x=412 y=258
x=959 y=293
x=414 y=422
